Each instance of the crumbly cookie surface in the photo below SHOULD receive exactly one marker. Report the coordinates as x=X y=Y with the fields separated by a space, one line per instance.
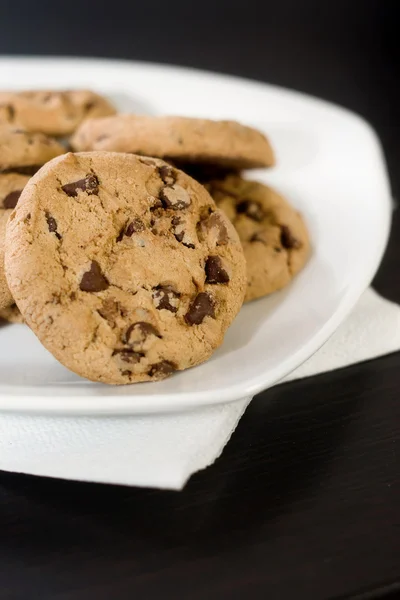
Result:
x=222 y=143
x=123 y=266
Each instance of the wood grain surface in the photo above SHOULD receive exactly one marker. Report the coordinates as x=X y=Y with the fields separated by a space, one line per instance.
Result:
x=305 y=501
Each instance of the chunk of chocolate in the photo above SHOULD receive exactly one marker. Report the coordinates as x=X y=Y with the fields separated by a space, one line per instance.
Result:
x=134 y=226
x=9 y=111
x=93 y=280
x=52 y=225
x=201 y=307
x=89 y=105
x=90 y=185
x=139 y=332
x=175 y=221
x=288 y=240
x=128 y=356
x=166 y=297
x=175 y=197
x=109 y=309
x=258 y=237
x=162 y=369
x=213 y=227
x=167 y=174
x=215 y=272
x=251 y=209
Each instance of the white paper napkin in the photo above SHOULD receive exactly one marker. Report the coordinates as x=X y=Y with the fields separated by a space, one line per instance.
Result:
x=164 y=451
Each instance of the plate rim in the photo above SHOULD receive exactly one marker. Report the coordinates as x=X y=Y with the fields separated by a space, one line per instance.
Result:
x=175 y=401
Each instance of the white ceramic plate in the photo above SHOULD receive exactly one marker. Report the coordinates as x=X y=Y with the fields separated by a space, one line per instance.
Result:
x=330 y=166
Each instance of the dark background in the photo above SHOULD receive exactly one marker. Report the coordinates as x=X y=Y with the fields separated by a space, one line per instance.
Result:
x=305 y=501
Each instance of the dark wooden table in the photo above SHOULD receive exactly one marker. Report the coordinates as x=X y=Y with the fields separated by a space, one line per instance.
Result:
x=305 y=501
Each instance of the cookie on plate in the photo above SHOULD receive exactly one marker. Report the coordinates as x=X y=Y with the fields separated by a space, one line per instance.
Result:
x=21 y=154
x=56 y=113
x=221 y=143
x=11 y=314
x=273 y=234
x=123 y=266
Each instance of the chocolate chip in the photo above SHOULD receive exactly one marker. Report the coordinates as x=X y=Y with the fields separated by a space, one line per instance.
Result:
x=10 y=111
x=166 y=297
x=155 y=203
x=201 y=307
x=175 y=221
x=109 y=309
x=175 y=197
x=93 y=280
x=288 y=240
x=258 y=237
x=10 y=201
x=162 y=369
x=89 y=105
x=129 y=356
x=51 y=222
x=215 y=272
x=89 y=184
x=167 y=174
x=214 y=226
x=52 y=225
x=179 y=236
x=251 y=209
x=129 y=229
x=134 y=227
x=138 y=332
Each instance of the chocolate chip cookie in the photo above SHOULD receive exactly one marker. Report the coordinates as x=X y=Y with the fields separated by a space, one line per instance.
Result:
x=123 y=266
x=24 y=153
x=273 y=234
x=53 y=112
x=21 y=154
x=221 y=143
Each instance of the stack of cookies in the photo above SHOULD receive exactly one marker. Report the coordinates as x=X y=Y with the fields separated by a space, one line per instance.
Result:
x=127 y=258
x=273 y=235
